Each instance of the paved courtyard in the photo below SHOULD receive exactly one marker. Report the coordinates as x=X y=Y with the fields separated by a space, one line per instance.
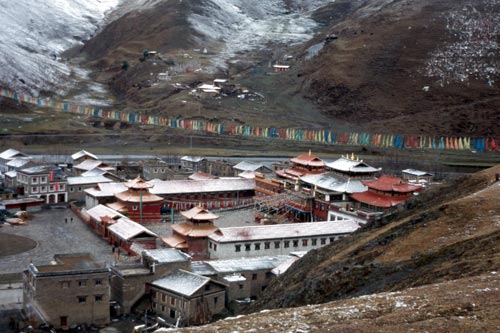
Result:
x=53 y=235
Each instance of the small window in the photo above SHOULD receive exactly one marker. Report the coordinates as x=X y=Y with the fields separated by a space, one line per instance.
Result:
x=71 y=189
x=153 y=294
x=163 y=308
x=172 y=313
x=304 y=242
x=79 y=188
x=247 y=247
x=163 y=298
x=332 y=239
x=241 y=286
x=82 y=299
x=237 y=248
x=215 y=247
x=215 y=300
x=207 y=287
x=65 y=284
x=210 y=245
x=287 y=244
x=267 y=245
x=98 y=282
x=98 y=298
x=257 y=246
x=295 y=243
x=82 y=283
x=277 y=245
x=323 y=241
x=314 y=242
x=172 y=301
x=134 y=207
x=263 y=288
x=254 y=276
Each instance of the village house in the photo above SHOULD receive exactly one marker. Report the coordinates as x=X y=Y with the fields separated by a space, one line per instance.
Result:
x=81 y=156
x=103 y=193
x=128 y=281
x=77 y=185
x=191 y=236
x=417 y=176
x=245 y=278
x=14 y=205
x=159 y=169
x=281 y=68
x=245 y=166
x=185 y=298
x=383 y=195
x=46 y=182
x=193 y=163
x=278 y=239
x=20 y=163
x=75 y=290
x=89 y=164
x=8 y=155
x=219 y=168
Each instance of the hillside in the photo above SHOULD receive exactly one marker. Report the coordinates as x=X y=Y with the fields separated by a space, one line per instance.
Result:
x=431 y=268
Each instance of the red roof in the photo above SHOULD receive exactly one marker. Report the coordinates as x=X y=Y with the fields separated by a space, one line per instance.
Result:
x=308 y=160
x=199 y=214
x=377 y=200
x=391 y=184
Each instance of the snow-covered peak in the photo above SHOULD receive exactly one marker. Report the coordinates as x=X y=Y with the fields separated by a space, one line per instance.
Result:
x=35 y=33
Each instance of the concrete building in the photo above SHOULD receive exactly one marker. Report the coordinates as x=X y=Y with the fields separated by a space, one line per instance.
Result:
x=128 y=281
x=46 y=182
x=74 y=290
x=78 y=185
x=8 y=155
x=187 y=298
x=279 y=239
x=417 y=176
x=193 y=163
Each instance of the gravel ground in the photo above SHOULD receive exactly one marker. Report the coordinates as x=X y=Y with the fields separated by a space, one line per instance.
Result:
x=53 y=235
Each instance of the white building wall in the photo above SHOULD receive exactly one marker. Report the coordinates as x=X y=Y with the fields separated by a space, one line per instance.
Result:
x=259 y=248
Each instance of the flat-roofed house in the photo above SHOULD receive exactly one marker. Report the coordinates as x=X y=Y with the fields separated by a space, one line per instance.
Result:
x=279 y=239
x=187 y=298
x=78 y=185
x=44 y=181
x=75 y=290
x=417 y=176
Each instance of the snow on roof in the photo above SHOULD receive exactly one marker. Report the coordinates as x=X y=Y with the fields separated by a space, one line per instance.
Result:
x=182 y=282
x=247 y=166
x=11 y=153
x=417 y=173
x=195 y=159
x=18 y=162
x=127 y=229
x=87 y=180
x=89 y=165
x=247 y=174
x=39 y=169
x=201 y=176
x=209 y=87
x=349 y=165
x=94 y=172
x=11 y=174
x=246 y=264
x=332 y=183
x=202 y=268
x=292 y=230
x=283 y=267
x=99 y=211
x=81 y=154
x=281 y=66
x=163 y=187
x=106 y=189
x=220 y=81
x=163 y=256
x=234 y=278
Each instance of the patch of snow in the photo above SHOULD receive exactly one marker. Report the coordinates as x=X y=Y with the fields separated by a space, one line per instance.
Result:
x=35 y=33
x=243 y=25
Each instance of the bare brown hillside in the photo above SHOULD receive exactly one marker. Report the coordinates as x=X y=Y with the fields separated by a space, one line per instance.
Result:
x=415 y=67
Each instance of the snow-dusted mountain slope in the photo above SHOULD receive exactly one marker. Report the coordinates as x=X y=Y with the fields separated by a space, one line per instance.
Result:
x=243 y=25
x=35 y=33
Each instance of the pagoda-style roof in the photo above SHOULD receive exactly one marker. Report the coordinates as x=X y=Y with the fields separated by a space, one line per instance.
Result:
x=308 y=159
x=175 y=241
x=138 y=184
x=199 y=214
x=391 y=184
x=138 y=191
x=194 y=230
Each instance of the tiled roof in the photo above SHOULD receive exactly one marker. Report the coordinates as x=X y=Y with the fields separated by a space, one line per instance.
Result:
x=248 y=166
x=82 y=153
x=308 y=160
x=246 y=264
x=10 y=154
x=292 y=230
x=348 y=165
x=377 y=200
x=391 y=184
x=99 y=211
x=194 y=230
x=163 y=256
x=332 y=183
x=417 y=173
x=127 y=229
x=182 y=282
x=175 y=241
x=199 y=214
x=89 y=165
x=87 y=180
x=201 y=176
x=138 y=196
x=18 y=162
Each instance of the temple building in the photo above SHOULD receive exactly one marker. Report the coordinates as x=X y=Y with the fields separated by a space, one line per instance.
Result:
x=191 y=236
x=138 y=202
x=384 y=193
